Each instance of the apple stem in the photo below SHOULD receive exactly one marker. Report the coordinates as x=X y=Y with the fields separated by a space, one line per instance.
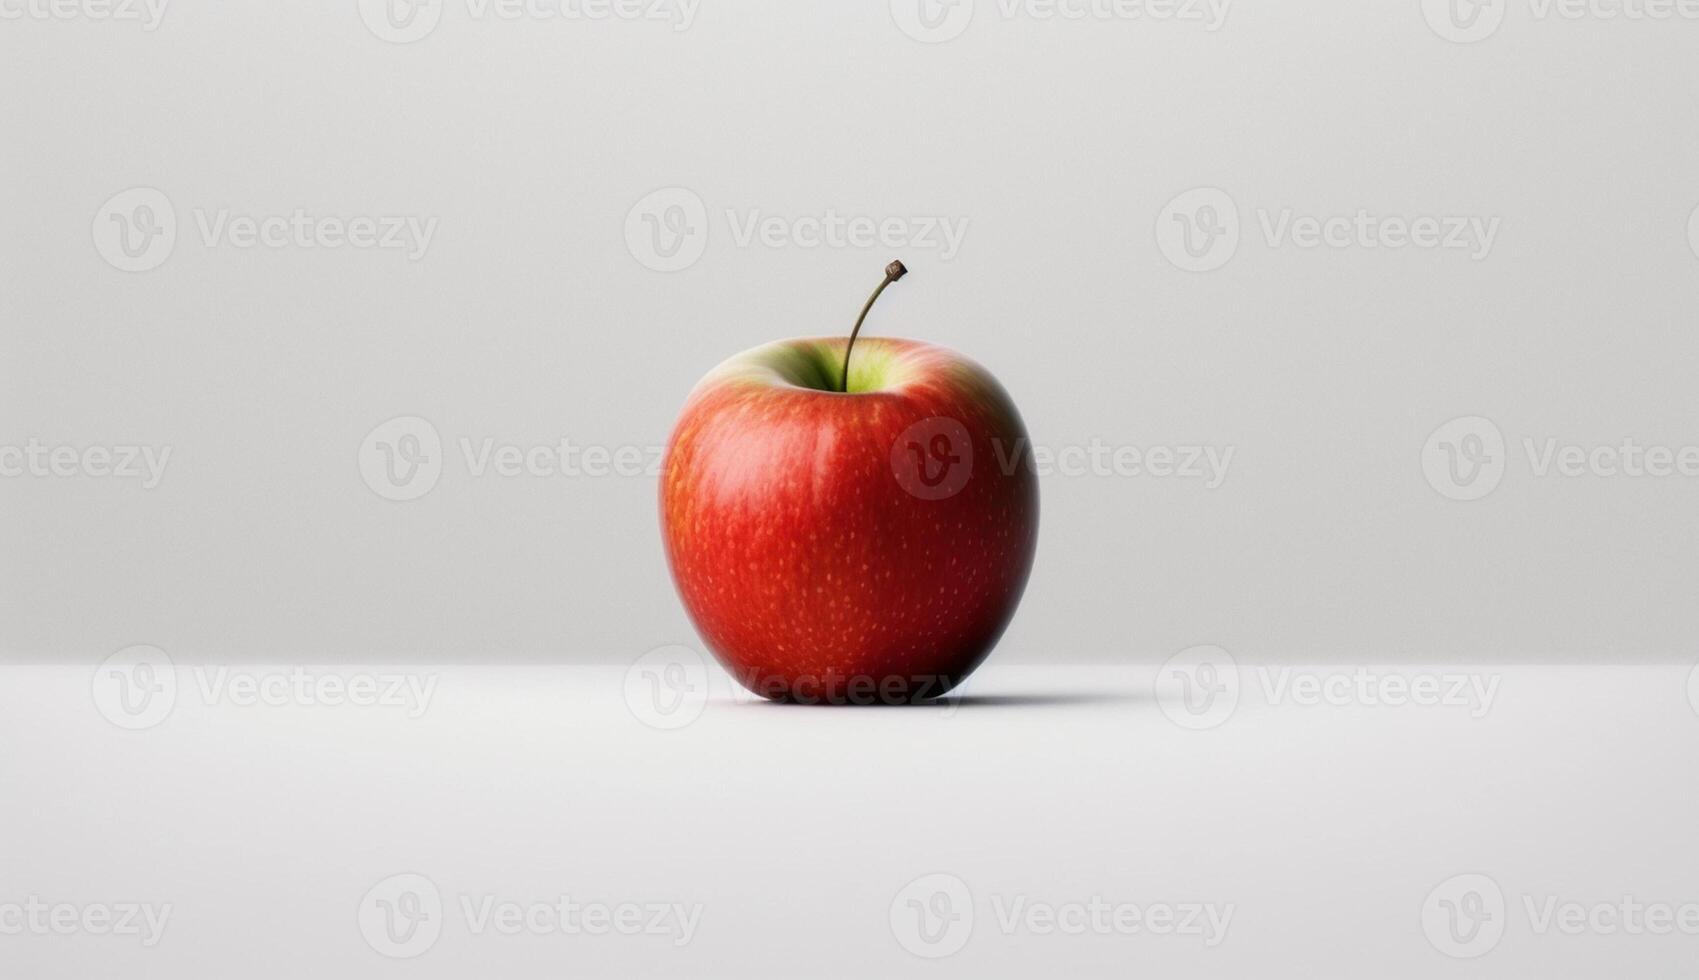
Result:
x=893 y=272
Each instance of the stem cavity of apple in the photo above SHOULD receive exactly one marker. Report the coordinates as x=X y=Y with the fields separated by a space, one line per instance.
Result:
x=896 y=270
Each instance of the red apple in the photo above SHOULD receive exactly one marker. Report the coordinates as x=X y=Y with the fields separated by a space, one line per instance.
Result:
x=856 y=534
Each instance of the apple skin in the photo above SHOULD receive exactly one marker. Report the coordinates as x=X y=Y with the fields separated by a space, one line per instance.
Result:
x=867 y=546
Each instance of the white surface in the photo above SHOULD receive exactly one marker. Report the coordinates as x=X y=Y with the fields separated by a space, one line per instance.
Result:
x=1325 y=827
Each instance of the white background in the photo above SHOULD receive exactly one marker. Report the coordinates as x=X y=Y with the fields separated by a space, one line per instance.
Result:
x=531 y=318
x=1070 y=154
x=1333 y=830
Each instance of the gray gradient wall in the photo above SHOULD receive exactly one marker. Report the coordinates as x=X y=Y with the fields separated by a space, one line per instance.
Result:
x=1420 y=279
